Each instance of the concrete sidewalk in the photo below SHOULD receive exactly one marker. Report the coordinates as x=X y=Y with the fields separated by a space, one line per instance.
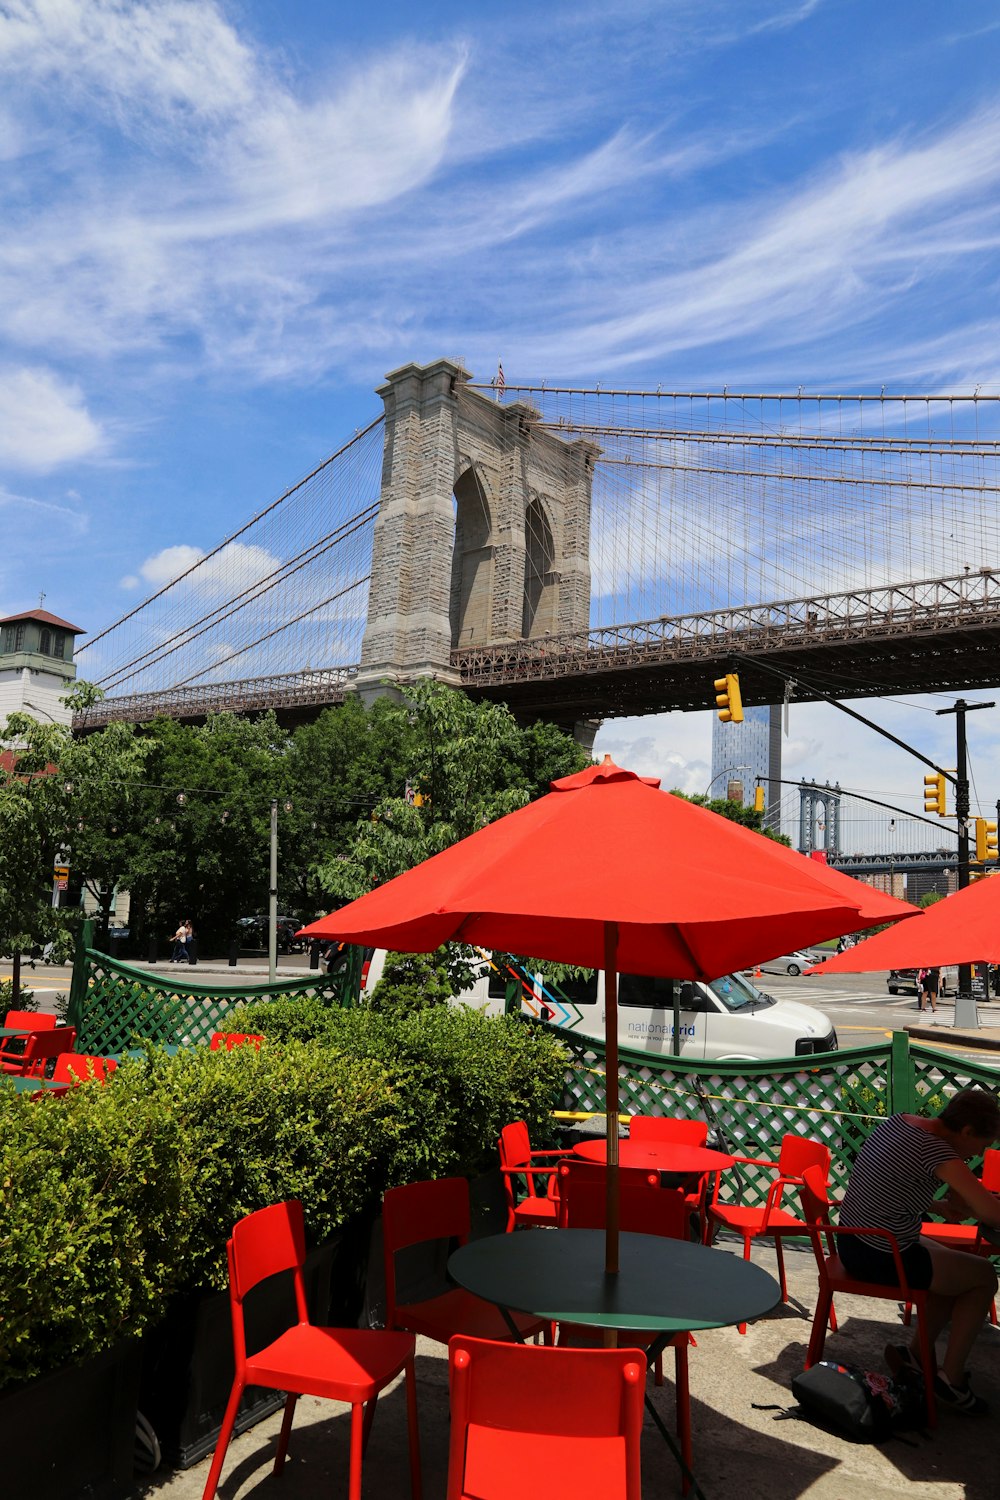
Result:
x=738 y=1448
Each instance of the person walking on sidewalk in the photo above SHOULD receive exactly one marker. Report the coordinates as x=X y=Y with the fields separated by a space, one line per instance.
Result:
x=928 y=983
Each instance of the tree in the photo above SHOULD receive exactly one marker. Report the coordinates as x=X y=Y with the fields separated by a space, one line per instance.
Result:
x=736 y=812
x=206 y=824
x=339 y=768
x=469 y=764
x=59 y=795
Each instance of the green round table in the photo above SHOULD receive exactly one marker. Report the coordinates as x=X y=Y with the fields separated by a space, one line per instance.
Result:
x=663 y=1286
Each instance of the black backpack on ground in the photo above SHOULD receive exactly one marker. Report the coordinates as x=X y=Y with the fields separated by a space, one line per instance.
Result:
x=860 y=1404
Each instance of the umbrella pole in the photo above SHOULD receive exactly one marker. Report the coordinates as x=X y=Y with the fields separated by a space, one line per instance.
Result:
x=611 y=1096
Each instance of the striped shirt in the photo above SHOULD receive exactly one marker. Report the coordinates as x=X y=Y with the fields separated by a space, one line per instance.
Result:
x=894 y=1181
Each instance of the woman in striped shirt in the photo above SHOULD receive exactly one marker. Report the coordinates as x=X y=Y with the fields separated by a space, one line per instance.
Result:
x=893 y=1184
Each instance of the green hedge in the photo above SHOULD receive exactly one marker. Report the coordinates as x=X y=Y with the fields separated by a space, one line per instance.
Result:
x=114 y=1199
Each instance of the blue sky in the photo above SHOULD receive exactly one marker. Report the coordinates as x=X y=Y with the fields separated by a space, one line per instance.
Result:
x=223 y=223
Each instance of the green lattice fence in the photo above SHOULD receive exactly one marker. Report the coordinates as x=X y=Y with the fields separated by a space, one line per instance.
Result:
x=114 y=1006
x=835 y=1097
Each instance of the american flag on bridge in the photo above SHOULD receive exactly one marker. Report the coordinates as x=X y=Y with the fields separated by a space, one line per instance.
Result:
x=498 y=381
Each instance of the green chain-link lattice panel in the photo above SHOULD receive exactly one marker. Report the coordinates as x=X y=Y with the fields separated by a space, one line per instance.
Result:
x=115 y=1007
x=835 y=1097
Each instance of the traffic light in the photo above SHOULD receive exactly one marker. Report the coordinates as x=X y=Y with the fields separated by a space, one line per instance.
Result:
x=934 y=795
x=758 y=800
x=986 y=840
x=728 y=700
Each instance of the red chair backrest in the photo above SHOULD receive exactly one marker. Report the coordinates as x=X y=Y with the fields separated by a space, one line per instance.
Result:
x=82 y=1067
x=798 y=1153
x=666 y=1128
x=31 y=1020
x=991 y=1171
x=515 y=1145
x=41 y=1045
x=416 y=1213
x=265 y=1243
x=593 y=1397
x=231 y=1039
x=644 y=1206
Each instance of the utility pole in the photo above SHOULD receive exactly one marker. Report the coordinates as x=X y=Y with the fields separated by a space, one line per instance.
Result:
x=272 y=899
x=960 y=708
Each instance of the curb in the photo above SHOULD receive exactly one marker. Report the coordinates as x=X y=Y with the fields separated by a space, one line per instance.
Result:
x=988 y=1040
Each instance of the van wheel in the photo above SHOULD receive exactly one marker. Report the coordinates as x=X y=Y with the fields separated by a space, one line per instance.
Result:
x=893 y=990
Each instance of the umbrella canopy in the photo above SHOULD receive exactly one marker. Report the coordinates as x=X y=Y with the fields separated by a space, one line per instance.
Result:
x=608 y=872
x=963 y=928
x=691 y=894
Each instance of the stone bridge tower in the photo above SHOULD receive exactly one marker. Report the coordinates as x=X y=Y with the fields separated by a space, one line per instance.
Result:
x=483 y=530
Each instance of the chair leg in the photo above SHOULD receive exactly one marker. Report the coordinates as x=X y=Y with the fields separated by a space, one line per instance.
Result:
x=781 y=1267
x=283 y=1435
x=658 y=1370
x=225 y=1434
x=357 y=1449
x=367 y=1426
x=414 y=1431
x=683 y=1398
x=927 y=1360
x=742 y=1327
x=817 y=1338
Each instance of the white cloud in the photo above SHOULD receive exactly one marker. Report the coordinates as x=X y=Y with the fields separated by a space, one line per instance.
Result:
x=233 y=568
x=44 y=421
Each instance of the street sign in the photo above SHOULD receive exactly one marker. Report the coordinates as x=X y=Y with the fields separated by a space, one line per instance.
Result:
x=60 y=877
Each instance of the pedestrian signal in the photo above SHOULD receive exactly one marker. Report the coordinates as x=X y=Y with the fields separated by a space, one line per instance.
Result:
x=728 y=700
x=986 y=840
x=934 y=794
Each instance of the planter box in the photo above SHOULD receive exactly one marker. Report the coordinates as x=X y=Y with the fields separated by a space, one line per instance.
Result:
x=73 y=1431
x=187 y=1360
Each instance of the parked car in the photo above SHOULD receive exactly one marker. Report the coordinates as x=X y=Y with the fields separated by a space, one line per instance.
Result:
x=904 y=982
x=790 y=963
x=253 y=932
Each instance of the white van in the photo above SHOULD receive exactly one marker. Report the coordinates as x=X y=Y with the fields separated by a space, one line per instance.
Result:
x=725 y=1020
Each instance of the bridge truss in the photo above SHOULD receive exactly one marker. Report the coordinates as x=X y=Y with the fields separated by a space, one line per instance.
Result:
x=845 y=543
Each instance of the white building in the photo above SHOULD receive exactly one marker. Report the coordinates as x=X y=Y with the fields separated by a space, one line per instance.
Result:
x=36 y=665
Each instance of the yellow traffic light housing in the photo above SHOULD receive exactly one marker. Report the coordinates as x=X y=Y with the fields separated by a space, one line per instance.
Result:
x=758 y=800
x=986 y=840
x=934 y=794
x=728 y=700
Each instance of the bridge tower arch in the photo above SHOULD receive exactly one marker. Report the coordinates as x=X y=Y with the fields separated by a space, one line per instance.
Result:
x=483 y=529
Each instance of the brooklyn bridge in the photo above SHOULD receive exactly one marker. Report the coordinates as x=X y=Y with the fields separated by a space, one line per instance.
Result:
x=585 y=554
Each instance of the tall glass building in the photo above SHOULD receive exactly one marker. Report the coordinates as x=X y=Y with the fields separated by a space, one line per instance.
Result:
x=743 y=752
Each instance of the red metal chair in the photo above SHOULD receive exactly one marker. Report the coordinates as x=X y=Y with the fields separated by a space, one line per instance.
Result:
x=651 y=1128
x=230 y=1039
x=533 y=1421
x=798 y=1153
x=344 y=1364
x=834 y=1277
x=23 y=1021
x=519 y=1164
x=644 y=1207
x=82 y=1067
x=417 y=1214
x=39 y=1048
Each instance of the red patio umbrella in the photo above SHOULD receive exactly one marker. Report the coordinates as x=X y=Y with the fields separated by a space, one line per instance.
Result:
x=609 y=872
x=963 y=928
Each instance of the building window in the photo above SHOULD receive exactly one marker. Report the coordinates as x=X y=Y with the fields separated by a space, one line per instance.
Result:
x=58 y=645
x=45 y=642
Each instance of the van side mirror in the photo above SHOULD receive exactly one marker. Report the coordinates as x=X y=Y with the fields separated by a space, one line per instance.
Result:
x=691 y=997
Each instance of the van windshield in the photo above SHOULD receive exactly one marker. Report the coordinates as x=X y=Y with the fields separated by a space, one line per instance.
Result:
x=737 y=992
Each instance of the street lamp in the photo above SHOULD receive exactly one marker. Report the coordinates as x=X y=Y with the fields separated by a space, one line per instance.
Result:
x=726 y=771
x=272 y=895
